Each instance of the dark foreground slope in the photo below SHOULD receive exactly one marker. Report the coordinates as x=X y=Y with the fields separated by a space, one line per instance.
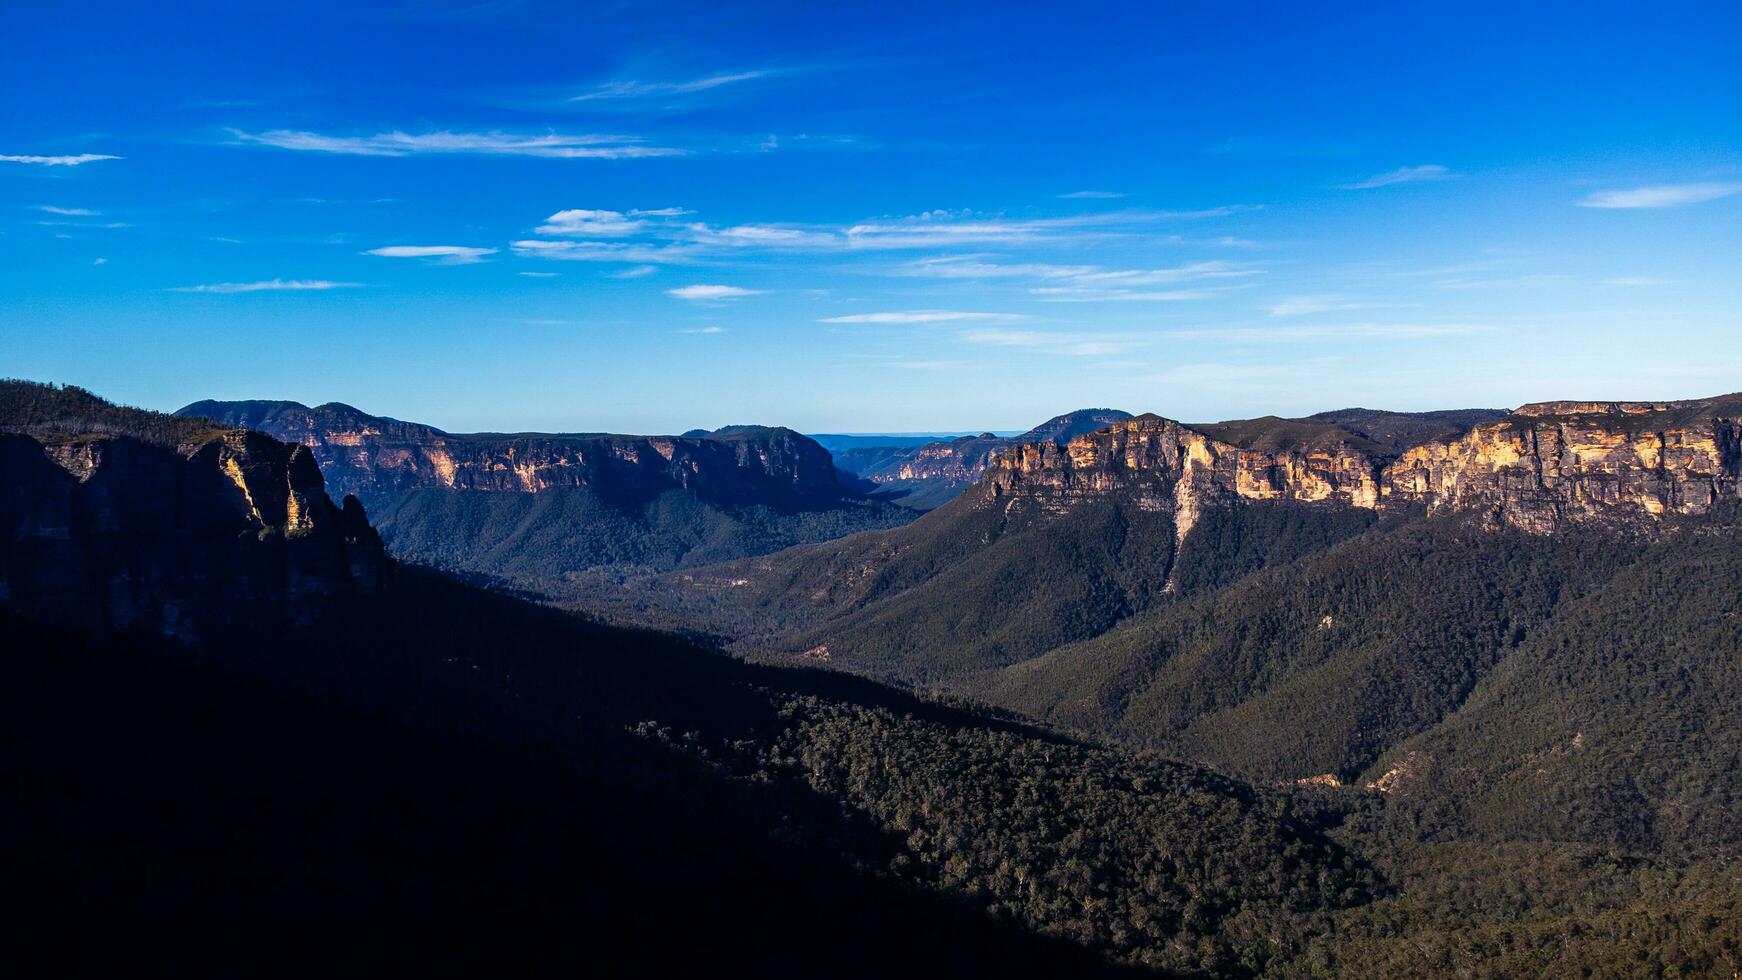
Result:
x=453 y=776
x=448 y=779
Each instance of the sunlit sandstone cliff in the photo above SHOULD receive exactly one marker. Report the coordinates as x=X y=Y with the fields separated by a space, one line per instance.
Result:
x=962 y=460
x=113 y=518
x=1540 y=465
x=377 y=458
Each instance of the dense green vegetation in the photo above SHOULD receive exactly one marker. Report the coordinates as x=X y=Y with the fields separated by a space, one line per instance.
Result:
x=227 y=817
x=1154 y=862
x=473 y=755
x=1572 y=687
x=973 y=587
x=35 y=409
x=542 y=541
x=1480 y=909
x=1319 y=665
x=1615 y=722
x=449 y=770
x=1403 y=430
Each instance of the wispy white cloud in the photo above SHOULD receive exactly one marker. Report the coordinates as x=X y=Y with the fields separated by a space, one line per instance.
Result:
x=671 y=241
x=85 y=224
x=1662 y=195
x=1054 y=342
x=706 y=292
x=1308 y=305
x=920 y=316
x=438 y=254
x=636 y=272
x=1332 y=331
x=760 y=236
x=539 y=275
x=400 y=144
x=1090 y=283
x=706 y=330
x=937 y=229
x=268 y=285
x=975 y=267
x=635 y=89
x=69 y=212
x=1091 y=196
x=1090 y=294
x=1632 y=281
x=1521 y=281
x=100 y=261
x=1402 y=175
x=568 y=250
x=62 y=161
x=587 y=223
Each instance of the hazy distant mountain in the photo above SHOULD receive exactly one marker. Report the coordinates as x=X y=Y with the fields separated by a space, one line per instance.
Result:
x=838 y=443
x=930 y=474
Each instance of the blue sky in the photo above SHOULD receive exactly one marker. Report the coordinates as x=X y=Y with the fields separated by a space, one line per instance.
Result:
x=489 y=214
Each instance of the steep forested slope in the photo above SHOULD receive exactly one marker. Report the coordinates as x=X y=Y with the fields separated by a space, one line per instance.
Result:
x=1320 y=665
x=1614 y=722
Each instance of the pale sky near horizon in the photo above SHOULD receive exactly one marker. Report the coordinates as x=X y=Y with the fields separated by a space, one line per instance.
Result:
x=501 y=215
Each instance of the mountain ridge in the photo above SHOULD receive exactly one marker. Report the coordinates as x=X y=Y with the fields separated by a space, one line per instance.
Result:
x=931 y=474
x=542 y=511
x=1532 y=468
x=376 y=456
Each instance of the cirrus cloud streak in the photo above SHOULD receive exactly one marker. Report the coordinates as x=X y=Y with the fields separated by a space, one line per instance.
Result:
x=920 y=316
x=1662 y=195
x=266 y=285
x=591 y=146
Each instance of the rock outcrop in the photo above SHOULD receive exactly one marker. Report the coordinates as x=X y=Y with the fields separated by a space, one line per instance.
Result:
x=378 y=458
x=1619 y=463
x=935 y=472
x=119 y=519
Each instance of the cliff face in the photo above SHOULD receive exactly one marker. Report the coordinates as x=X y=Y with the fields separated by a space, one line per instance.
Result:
x=959 y=460
x=113 y=521
x=378 y=458
x=939 y=470
x=1550 y=463
x=1623 y=463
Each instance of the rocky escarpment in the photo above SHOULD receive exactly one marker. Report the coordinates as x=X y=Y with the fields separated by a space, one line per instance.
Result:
x=1620 y=463
x=379 y=458
x=935 y=472
x=116 y=519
